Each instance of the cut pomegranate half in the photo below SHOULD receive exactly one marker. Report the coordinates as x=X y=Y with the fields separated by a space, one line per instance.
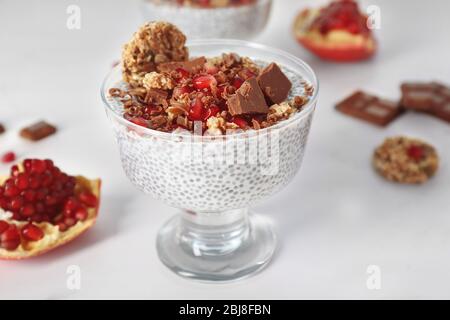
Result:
x=43 y=208
x=337 y=32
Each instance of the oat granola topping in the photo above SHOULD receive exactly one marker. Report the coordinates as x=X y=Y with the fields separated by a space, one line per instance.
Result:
x=166 y=90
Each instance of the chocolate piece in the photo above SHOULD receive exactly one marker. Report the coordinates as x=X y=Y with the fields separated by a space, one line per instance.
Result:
x=157 y=96
x=2 y=128
x=420 y=96
x=191 y=65
x=370 y=108
x=248 y=99
x=37 y=131
x=274 y=83
x=442 y=111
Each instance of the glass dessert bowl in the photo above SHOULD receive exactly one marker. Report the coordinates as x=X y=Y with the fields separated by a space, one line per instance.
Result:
x=200 y=19
x=214 y=179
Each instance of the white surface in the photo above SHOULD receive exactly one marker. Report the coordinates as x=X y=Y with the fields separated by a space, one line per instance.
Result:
x=334 y=220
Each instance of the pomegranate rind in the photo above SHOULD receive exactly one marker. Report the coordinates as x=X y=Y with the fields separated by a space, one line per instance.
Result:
x=338 y=45
x=53 y=237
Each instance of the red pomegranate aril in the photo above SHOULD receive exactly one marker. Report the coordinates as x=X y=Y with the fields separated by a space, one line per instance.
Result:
x=32 y=232
x=196 y=111
x=16 y=203
x=27 y=210
x=140 y=122
x=71 y=204
x=50 y=200
x=34 y=182
x=237 y=82
x=10 y=238
x=22 y=181
x=27 y=164
x=8 y=157
x=81 y=214
x=38 y=166
x=242 y=123
x=41 y=194
x=47 y=179
x=40 y=208
x=204 y=82
x=212 y=111
x=29 y=195
x=69 y=221
x=11 y=191
x=15 y=171
x=183 y=73
x=62 y=226
x=3 y=226
x=415 y=152
x=88 y=199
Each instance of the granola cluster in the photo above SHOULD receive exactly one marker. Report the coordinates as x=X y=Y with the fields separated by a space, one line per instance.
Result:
x=406 y=160
x=153 y=43
x=166 y=91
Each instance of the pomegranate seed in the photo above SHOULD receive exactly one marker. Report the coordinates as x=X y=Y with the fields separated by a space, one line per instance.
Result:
x=69 y=221
x=16 y=203
x=8 y=157
x=211 y=112
x=27 y=165
x=27 y=210
x=237 y=82
x=81 y=214
x=415 y=152
x=34 y=182
x=241 y=122
x=88 y=199
x=37 y=217
x=140 y=122
x=183 y=73
x=196 y=111
x=15 y=170
x=22 y=181
x=71 y=204
x=10 y=238
x=11 y=191
x=32 y=232
x=179 y=91
x=62 y=226
x=204 y=82
x=38 y=166
x=3 y=226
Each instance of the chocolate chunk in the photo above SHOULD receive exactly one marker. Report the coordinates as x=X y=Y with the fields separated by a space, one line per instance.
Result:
x=37 y=131
x=2 y=128
x=274 y=84
x=420 y=96
x=191 y=65
x=442 y=111
x=157 y=96
x=248 y=99
x=370 y=108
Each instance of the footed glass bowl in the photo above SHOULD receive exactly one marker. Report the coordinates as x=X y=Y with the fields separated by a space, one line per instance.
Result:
x=214 y=180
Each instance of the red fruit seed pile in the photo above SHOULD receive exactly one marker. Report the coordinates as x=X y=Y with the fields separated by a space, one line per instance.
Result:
x=40 y=193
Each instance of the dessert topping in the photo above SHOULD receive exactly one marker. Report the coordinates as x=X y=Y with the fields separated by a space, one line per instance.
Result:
x=38 y=131
x=249 y=99
x=274 y=83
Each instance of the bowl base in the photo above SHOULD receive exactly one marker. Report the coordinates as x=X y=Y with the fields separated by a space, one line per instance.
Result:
x=214 y=254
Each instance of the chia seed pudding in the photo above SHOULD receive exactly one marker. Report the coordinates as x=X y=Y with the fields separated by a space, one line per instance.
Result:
x=215 y=19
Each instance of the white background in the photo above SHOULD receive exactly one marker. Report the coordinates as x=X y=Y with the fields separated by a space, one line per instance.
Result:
x=337 y=217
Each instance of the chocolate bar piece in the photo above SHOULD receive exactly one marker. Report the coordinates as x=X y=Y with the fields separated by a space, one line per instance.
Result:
x=370 y=108
x=442 y=111
x=191 y=65
x=421 y=96
x=248 y=99
x=274 y=83
x=2 y=128
x=37 y=131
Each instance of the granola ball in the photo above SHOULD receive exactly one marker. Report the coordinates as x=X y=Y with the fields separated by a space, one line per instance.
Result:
x=406 y=160
x=153 y=43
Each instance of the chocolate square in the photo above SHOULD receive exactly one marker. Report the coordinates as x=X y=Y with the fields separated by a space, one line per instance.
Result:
x=274 y=84
x=37 y=131
x=369 y=108
x=420 y=96
x=248 y=99
x=442 y=111
x=191 y=65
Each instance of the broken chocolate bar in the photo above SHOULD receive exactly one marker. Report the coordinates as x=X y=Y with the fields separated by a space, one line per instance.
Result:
x=274 y=84
x=421 y=96
x=2 y=128
x=249 y=99
x=37 y=131
x=191 y=65
x=370 y=108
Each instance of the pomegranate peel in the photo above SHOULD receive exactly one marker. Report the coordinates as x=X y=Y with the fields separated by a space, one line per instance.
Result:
x=53 y=236
x=338 y=44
